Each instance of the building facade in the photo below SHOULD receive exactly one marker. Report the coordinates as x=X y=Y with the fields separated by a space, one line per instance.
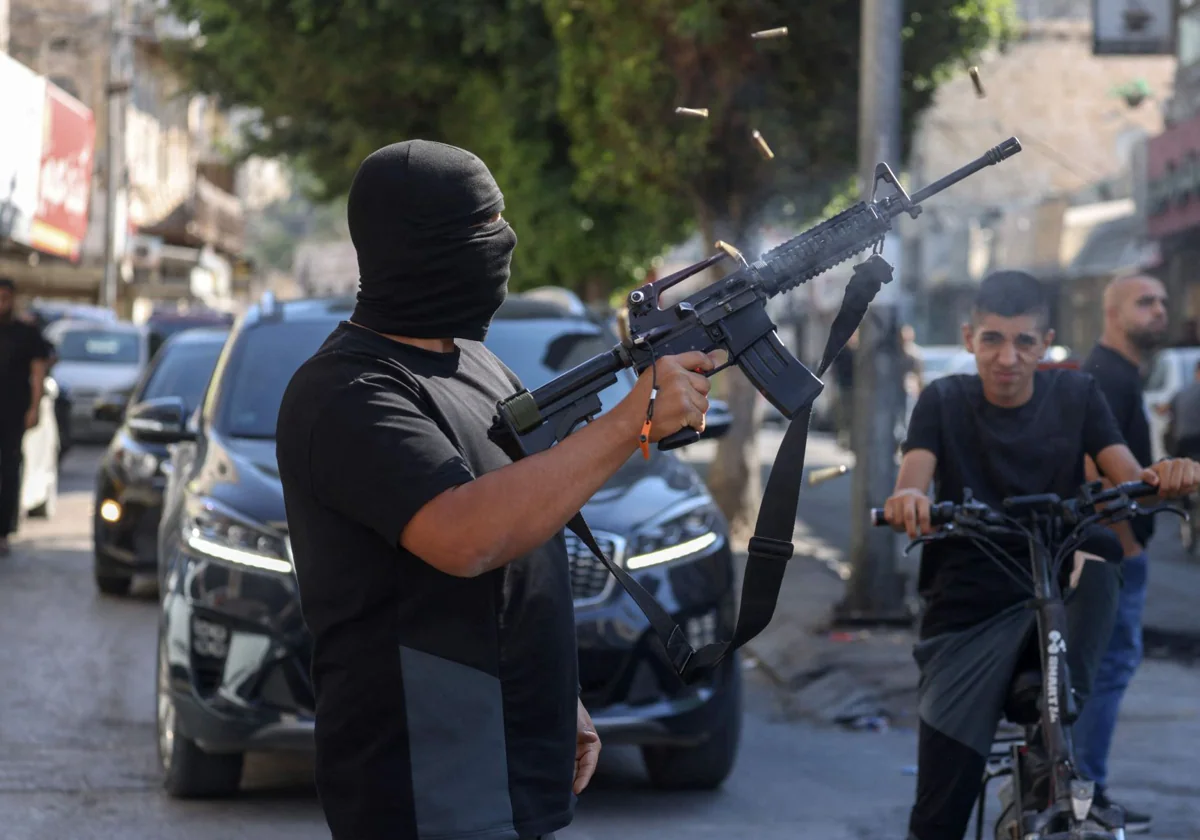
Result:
x=1169 y=206
x=1081 y=138
x=178 y=212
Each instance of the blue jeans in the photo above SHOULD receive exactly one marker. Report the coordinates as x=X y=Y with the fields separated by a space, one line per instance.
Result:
x=1093 y=732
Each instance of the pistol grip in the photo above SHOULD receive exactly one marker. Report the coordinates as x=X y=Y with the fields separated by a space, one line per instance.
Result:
x=779 y=376
x=684 y=437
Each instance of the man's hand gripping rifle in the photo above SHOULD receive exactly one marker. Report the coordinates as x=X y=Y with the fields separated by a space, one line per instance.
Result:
x=731 y=315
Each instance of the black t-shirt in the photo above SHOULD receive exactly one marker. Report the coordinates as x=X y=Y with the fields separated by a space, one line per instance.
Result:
x=446 y=706
x=20 y=345
x=1121 y=383
x=999 y=452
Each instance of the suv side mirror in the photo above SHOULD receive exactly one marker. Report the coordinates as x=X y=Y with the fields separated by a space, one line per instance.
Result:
x=110 y=412
x=163 y=420
x=717 y=420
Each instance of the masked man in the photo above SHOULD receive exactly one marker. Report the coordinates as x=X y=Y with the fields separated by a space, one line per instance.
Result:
x=432 y=569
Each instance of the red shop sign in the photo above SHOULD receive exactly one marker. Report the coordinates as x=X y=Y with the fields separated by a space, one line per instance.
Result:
x=65 y=185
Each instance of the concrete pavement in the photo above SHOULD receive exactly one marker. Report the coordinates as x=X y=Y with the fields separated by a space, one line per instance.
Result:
x=77 y=734
x=77 y=754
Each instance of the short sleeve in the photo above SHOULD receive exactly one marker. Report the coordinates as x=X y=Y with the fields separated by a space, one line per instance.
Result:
x=377 y=456
x=1100 y=429
x=925 y=424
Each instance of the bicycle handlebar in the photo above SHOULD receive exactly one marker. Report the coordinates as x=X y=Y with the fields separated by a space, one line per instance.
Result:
x=1083 y=505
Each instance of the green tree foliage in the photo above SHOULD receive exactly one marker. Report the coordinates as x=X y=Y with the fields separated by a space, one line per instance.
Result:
x=332 y=82
x=624 y=67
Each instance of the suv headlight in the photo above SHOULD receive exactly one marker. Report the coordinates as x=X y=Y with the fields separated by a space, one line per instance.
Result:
x=679 y=532
x=214 y=530
x=138 y=464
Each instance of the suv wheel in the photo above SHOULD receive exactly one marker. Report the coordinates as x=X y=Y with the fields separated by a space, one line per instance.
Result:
x=707 y=765
x=110 y=578
x=188 y=771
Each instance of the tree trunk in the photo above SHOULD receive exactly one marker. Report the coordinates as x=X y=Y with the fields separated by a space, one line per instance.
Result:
x=735 y=478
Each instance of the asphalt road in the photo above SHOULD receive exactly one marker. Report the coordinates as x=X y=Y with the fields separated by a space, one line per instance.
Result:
x=77 y=756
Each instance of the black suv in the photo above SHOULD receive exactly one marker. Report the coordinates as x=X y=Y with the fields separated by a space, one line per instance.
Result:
x=234 y=654
x=132 y=473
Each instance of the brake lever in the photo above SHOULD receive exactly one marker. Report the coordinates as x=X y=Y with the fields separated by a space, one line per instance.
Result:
x=1164 y=507
x=936 y=535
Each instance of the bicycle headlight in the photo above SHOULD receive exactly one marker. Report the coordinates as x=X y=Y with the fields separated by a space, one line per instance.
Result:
x=678 y=533
x=214 y=530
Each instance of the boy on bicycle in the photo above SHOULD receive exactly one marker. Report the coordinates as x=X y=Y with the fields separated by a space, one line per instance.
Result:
x=1009 y=430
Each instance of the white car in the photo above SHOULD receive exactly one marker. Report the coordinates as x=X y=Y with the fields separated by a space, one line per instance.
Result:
x=1172 y=368
x=98 y=363
x=40 y=446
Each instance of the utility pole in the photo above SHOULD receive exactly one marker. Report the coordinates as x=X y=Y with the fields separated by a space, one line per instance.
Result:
x=875 y=592
x=120 y=79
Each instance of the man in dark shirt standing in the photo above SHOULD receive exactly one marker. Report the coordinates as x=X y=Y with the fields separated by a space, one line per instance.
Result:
x=23 y=360
x=432 y=569
x=1135 y=323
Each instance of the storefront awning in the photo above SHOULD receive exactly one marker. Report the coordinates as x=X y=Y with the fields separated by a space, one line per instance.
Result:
x=1103 y=239
x=209 y=216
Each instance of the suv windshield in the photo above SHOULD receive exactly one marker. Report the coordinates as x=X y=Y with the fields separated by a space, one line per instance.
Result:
x=539 y=350
x=266 y=357
x=183 y=371
x=100 y=345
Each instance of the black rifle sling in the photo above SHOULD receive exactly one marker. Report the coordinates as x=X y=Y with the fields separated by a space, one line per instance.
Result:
x=771 y=547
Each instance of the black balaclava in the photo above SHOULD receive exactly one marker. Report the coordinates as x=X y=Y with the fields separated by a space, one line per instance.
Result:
x=430 y=265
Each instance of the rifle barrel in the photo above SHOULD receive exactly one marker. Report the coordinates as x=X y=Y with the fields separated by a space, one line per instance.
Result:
x=580 y=376
x=989 y=158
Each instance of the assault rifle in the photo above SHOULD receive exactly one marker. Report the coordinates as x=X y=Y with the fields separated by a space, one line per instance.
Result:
x=731 y=315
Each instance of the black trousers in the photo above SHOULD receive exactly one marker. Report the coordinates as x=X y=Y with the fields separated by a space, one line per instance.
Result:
x=950 y=774
x=12 y=432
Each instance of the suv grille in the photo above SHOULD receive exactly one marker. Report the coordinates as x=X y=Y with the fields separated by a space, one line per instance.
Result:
x=590 y=581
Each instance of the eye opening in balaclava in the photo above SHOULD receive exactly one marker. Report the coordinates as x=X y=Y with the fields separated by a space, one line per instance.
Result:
x=433 y=257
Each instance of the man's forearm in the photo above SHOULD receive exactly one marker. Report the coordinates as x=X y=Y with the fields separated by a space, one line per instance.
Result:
x=1123 y=468
x=511 y=511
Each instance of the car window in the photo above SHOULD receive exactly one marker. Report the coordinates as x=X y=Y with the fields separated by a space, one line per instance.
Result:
x=99 y=345
x=263 y=362
x=539 y=350
x=1159 y=373
x=182 y=371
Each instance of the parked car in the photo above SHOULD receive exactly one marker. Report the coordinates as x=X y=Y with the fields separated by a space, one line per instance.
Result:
x=97 y=363
x=1172 y=368
x=49 y=311
x=164 y=325
x=131 y=478
x=40 y=452
x=233 y=651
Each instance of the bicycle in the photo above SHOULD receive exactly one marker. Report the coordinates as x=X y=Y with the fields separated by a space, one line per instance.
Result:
x=1041 y=702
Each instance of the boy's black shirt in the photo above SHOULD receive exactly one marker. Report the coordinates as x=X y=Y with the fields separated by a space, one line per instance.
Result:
x=1038 y=447
x=446 y=706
